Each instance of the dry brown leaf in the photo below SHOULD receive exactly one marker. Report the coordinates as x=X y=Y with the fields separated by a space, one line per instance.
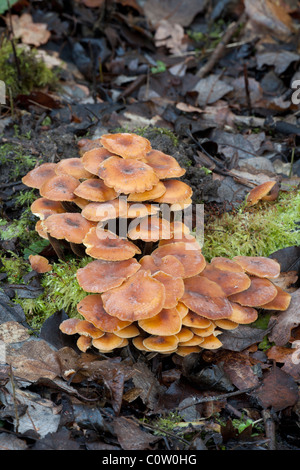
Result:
x=175 y=11
x=171 y=36
x=286 y=321
x=31 y=33
x=269 y=15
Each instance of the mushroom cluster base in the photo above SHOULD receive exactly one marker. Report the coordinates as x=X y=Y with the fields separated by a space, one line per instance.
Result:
x=147 y=283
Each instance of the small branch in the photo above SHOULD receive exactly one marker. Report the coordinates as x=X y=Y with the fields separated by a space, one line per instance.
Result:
x=221 y=47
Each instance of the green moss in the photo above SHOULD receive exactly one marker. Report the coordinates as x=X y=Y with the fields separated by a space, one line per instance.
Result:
x=257 y=231
x=28 y=74
x=61 y=291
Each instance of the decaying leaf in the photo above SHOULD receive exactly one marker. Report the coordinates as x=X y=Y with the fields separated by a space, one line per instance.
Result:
x=211 y=89
x=31 y=33
x=286 y=321
x=278 y=390
x=131 y=436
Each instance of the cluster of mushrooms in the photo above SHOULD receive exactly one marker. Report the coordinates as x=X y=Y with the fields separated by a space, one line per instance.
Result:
x=147 y=281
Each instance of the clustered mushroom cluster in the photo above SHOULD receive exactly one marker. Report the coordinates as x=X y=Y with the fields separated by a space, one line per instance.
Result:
x=147 y=281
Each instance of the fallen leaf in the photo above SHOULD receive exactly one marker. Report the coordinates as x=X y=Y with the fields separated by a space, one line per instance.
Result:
x=171 y=36
x=278 y=390
x=270 y=15
x=286 y=321
x=280 y=60
x=239 y=369
x=175 y=11
x=131 y=436
x=211 y=89
x=242 y=337
x=31 y=33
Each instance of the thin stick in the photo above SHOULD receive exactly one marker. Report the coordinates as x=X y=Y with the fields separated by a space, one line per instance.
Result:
x=221 y=47
x=218 y=397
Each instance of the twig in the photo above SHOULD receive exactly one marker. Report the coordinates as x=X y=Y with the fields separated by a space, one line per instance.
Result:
x=248 y=97
x=219 y=50
x=218 y=397
x=269 y=429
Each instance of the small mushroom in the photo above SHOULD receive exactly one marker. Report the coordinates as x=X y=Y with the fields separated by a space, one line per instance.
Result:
x=43 y=207
x=69 y=326
x=38 y=176
x=185 y=334
x=230 y=282
x=192 y=259
x=260 y=292
x=100 y=276
x=260 y=191
x=192 y=319
x=165 y=166
x=281 y=302
x=93 y=158
x=158 y=190
x=176 y=192
x=259 y=266
x=127 y=176
x=84 y=145
x=226 y=264
x=174 y=287
x=102 y=211
x=168 y=264
x=211 y=342
x=59 y=188
x=130 y=331
x=138 y=210
x=86 y=328
x=139 y=297
x=206 y=298
x=91 y=308
x=186 y=350
x=126 y=145
x=95 y=190
x=39 y=263
x=107 y=342
x=84 y=343
x=161 y=344
x=73 y=167
x=68 y=226
x=166 y=322
x=242 y=315
x=105 y=245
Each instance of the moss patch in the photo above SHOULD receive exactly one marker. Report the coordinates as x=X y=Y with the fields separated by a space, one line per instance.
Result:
x=23 y=71
x=256 y=231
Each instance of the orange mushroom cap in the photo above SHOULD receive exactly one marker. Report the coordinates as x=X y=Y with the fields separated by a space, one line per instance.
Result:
x=139 y=297
x=192 y=319
x=204 y=332
x=259 y=192
x=176 y=192
x=126 y=145
x=185 y=334
x=158 y=190
x=39 y=263
x=73 y=167
x=59 y=188
x=84 y=343
x=281 y=302
x=166 y=322
x=99 y=276
x=259 y=266
x=192 y=259
x=206 y=298
x=164 y=165
x=242 y=315
x=127 y=176
x=186 y=350
x=95 y=190
x=93 y=158
x=70 y=226
x=43 y=207
x=230 y=282
x=194 y=341
x=169 y=264
x=161 y=343
x=260 y=292
x=211 y=342
x=69 y=326
x=102 y=211
x=174 y=287
x=226 y=264
x=39 y=175
x=130 y=331
x=107 y=342
x=86 y=328
x=150 y=229
x=40 y=230
x=226 y=324
x=105 y=245
x=91 y=308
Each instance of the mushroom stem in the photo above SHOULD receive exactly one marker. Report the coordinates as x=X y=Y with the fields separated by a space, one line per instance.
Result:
x=77 y=249
x=70 y=206
x=148 y=248
x=56 y=247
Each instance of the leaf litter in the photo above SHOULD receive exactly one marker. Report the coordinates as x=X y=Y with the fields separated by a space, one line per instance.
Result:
x=206 y=88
